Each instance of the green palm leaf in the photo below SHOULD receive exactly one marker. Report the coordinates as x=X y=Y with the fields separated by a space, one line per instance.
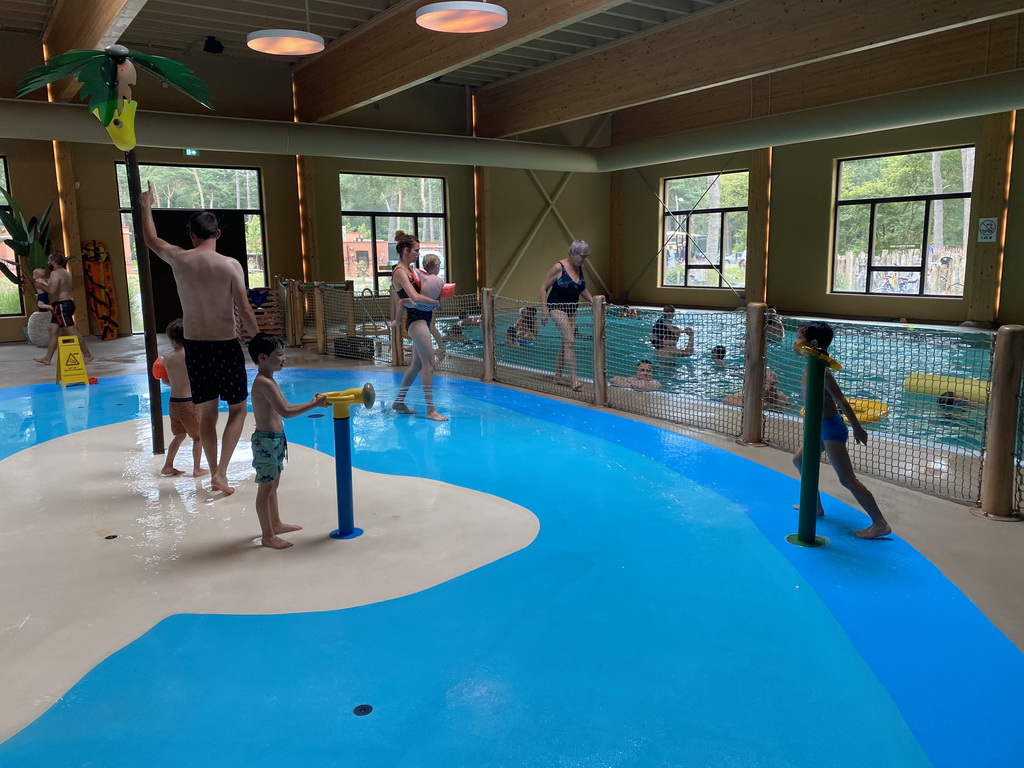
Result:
x=176 y=75
x=54 y=69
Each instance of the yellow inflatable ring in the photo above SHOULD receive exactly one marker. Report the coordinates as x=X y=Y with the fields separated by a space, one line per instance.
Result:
x=975 y=390
x=811 y=352
x=866 y=410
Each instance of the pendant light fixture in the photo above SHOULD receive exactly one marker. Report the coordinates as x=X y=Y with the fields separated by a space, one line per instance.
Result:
x=286 y=42
x=462 y=16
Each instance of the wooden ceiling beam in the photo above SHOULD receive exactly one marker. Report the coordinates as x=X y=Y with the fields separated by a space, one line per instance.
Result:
x=719 y=46
x=391 y=53
x=88 y=24
x=975 y=51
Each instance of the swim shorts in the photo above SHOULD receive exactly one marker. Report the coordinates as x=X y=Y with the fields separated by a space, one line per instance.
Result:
x=63 y=313
x=834 y=428
x=184 y=417
x=216 y=369
x=269 y=450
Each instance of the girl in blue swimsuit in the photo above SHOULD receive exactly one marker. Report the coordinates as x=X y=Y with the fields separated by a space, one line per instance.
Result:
x=560 y=293
x=418 y=320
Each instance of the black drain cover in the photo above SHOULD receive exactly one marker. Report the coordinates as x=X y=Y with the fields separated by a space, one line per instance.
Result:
x=362 y=709
x=111 y=536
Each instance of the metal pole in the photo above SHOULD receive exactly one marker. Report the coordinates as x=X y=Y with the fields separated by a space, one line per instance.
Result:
x=343 y=474
x=156 y=415
x=810 y=466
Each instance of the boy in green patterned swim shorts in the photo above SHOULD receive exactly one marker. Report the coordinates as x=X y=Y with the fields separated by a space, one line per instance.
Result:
x=269 y=446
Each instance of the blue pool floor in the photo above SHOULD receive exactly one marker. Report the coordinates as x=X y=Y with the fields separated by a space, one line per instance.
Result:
x=659 y=618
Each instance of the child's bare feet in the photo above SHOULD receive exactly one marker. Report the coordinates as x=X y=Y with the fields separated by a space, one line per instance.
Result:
x=401 y=407
x=201 y=472
x=275 y=542
x=876 y=531
x=433 y=415
x=219 y=483
x=41 y=360
x=286 y=528
x=171 y=471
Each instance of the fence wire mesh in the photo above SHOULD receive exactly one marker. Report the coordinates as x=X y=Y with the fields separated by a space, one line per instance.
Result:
x=896 y=377
x=535 y=355
x=691 y=382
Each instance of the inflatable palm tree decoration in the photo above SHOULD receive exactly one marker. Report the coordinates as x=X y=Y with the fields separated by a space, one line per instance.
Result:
x=107 y=78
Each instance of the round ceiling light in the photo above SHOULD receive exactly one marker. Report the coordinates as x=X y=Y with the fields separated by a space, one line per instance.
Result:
x=462 y=16
x=285 y=42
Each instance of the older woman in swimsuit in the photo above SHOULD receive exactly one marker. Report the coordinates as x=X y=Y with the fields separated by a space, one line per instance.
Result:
x=559 y=294
x=418 y=320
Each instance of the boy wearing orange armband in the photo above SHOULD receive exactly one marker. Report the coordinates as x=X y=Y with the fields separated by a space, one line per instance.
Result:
x=184 y=413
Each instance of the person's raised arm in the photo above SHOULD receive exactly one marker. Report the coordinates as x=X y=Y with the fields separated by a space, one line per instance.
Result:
x=549 y=280
x=688 y=349
x=241 y=298
x=160 y=247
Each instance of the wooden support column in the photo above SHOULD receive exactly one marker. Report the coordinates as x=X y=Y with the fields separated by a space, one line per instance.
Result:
x=616 y=246
x=319 y=319
x=989 y=200
x=487 y=332
x=758 y=216
x=753 y=376
x=67 y=198
x=997 y=473
x=307 y=220
x=598 y=335
x=482 y=195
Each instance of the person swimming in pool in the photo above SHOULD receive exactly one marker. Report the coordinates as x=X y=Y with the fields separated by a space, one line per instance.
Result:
x=834 y=434
x=644 y=380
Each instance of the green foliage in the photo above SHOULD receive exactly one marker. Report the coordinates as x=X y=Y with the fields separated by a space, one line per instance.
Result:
x=28 y=238
x=196 y=187
x=407 y=194
x=97 y=72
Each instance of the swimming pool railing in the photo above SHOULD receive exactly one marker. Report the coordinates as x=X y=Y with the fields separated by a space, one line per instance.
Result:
x=914 y=444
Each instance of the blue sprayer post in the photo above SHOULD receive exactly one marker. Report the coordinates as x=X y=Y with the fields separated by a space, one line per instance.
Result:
x=342 y=401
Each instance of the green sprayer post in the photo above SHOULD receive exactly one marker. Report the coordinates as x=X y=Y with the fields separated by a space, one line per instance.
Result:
x=811 y=464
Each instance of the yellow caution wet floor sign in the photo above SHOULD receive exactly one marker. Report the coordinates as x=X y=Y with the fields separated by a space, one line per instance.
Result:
x=70 y=363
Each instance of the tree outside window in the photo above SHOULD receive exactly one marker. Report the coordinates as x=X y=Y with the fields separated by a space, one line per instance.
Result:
x=373 y=209
x=704 y=231
x=902 y=223
x=197 y=188
x=10 y=293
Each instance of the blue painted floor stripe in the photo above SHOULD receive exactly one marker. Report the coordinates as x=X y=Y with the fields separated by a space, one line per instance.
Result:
x=659 y=619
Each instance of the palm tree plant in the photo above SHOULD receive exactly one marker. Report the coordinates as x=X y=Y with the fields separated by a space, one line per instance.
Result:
x=30 y=241
x=107 y=78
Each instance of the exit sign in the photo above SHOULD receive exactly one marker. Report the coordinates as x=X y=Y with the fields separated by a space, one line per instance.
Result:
x=191 y=152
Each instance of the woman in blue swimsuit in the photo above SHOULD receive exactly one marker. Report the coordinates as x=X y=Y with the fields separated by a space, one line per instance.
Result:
x=559 y=295
x=418 y=322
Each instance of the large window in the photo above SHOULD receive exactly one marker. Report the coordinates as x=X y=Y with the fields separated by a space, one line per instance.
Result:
x=704 y=242
x=901 y=223
x=220 y=190
x=373 y=208
x=10 y=293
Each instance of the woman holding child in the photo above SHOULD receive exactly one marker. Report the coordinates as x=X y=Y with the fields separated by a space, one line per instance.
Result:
x=418 y=321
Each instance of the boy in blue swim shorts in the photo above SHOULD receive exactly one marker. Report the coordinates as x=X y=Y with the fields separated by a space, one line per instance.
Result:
x=269 y=445
x=834 y=434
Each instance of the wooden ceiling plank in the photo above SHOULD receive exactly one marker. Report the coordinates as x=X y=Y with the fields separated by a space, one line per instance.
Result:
x=391 y=53
x=88 y=24
x=736 y=41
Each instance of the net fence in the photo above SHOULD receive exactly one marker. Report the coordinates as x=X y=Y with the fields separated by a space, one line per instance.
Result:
x=534 y=354
x=920 y=392
x=690 y=383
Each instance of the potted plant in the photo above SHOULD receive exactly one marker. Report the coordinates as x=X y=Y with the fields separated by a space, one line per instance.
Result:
x=30 y=241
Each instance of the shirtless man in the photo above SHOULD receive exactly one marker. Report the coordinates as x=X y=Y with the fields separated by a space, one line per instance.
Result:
x=211 y=287
x=62 y=305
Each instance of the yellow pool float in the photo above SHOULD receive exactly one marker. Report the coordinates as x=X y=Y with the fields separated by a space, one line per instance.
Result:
x=975 y=390
x=866 y=410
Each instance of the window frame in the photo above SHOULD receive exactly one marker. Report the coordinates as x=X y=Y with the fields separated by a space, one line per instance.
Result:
x=378 y=271
x=873 y=203
x=681 y=225
x=260 y=211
